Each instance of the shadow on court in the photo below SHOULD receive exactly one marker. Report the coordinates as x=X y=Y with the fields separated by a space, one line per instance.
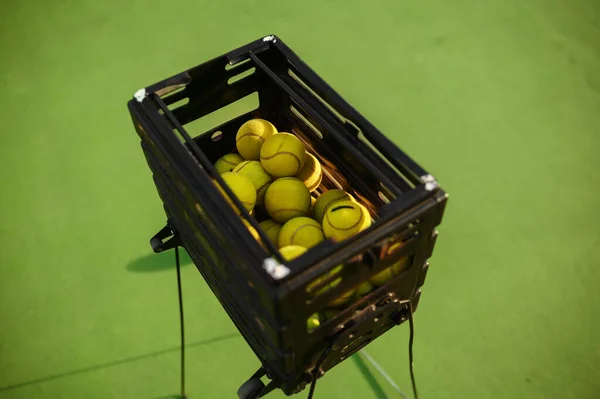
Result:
x=119 y=362
x=369 y=377
x=153 y=262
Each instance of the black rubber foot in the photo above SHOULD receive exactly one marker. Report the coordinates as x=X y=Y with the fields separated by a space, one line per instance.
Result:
x=251 y=389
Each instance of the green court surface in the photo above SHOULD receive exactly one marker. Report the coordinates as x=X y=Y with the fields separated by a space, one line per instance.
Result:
x=500 y=100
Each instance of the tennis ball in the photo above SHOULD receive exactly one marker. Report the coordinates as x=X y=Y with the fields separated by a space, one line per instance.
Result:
x=227 y=162
x=311 y=173
x=345 y=219
x=271 y=229
x=327 y=199
x=242 y=187
x=251 y=136
x=359 y=292
x=291 y=252
x=364 y=289
x=342 y=299
x=258 y=175
x=313 y=322
x=287 y=198
x=310 y=287
x=301 y=231
x=339 y=301
x=389 y=273
x=282 y=155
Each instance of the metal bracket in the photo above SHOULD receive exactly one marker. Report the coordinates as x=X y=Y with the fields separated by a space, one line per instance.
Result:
x=165 y=239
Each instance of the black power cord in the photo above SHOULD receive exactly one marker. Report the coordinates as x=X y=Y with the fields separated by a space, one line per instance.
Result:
x=410 y=350
x=321 y=359
x=317 y=370
x=411 y=341
x=181 y=324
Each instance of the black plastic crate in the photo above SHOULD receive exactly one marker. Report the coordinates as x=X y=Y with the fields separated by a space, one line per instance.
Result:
x=271 y=310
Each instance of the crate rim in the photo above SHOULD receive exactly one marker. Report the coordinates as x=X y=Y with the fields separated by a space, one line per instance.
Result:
x=427 y=188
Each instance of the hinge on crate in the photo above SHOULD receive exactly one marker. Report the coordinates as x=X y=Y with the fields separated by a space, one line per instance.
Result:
x=163 y=240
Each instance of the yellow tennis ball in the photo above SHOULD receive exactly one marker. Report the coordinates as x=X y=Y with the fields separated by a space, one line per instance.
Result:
x=359 y=292
x=312 y=286
x=271 y=229
x=342 y=299
x=313 y=322
x=339 y=301
x=282 y=155
x=287 y=198
x=327 y=199
x=301 y=231
x=291 y=252
x=311 y=173
x=251 y=136
x=258 y=175
x=242 y=187
x=227 y=162
x=345 y=219
x=364 y=289
x=389 y=273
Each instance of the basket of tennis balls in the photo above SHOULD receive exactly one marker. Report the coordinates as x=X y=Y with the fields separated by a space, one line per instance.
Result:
x=274 y=171
x=310 y=226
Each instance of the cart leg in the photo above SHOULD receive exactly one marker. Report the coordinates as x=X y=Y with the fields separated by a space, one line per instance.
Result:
x=251 y=389
x=254 y=387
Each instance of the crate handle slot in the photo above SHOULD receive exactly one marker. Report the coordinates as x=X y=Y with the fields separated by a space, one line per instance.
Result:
x=241 y=75
x=305 y=120
x=232 y=64
x=169 y=91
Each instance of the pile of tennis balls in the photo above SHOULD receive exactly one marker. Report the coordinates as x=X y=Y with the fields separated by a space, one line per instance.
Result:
x=274 y=170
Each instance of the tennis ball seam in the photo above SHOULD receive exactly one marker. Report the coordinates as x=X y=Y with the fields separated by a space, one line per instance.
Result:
x=228 y=163
x=249 y=134
x=283 y=153
x=332 y=203
x=281 y=144
x=263 y=186
x=321 y=210
x=293 y=235
x=269 y=228
x=358 y=222
x=242 y=165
